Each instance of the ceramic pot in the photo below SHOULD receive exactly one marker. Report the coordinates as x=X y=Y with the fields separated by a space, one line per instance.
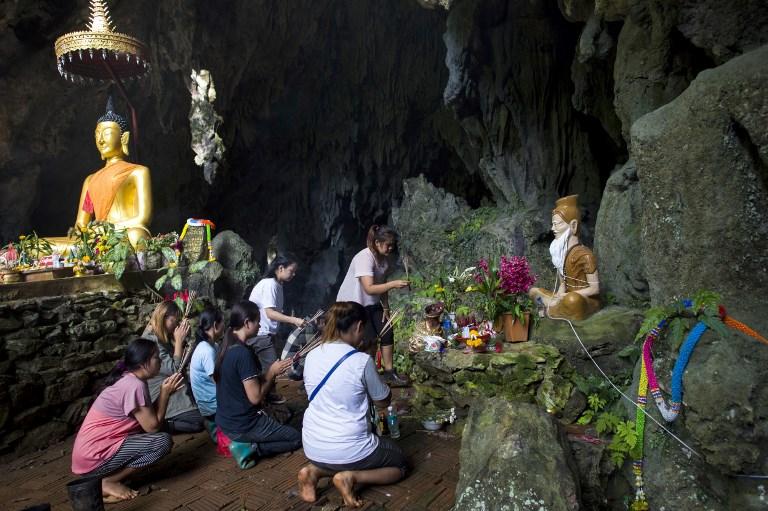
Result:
x=432 y=425
x=514 y=329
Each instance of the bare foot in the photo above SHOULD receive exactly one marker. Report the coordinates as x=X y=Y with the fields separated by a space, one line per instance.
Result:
x=345 y=483
x=308 y=477
x=112 y=490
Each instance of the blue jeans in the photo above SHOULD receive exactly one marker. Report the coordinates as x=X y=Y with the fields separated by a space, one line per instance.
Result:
x=269 y=437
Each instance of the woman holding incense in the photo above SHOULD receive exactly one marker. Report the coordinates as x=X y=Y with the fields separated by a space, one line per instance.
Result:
x=121 y=433
x=242 y=388
x=210 y=329
x=336 y=435
x=365 y=283
x=169 y=331
x=268 y=295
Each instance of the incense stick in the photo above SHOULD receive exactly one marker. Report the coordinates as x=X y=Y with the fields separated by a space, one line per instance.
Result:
x=189 y=348
x=405 y=266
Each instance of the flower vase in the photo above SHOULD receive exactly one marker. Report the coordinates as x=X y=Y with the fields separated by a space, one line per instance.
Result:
x=516 y=330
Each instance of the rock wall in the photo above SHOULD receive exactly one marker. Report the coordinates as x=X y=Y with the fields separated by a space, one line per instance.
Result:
x=702 y=161
x=52 y=352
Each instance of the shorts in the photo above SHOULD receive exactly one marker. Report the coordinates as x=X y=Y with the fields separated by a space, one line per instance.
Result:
x=387 y=454
x=373 y=326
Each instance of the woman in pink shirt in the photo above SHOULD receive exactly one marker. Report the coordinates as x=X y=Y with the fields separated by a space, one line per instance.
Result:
x=121 y=433
x=366 y=283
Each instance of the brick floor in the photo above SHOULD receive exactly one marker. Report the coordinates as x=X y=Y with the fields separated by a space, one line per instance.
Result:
x=193 y=477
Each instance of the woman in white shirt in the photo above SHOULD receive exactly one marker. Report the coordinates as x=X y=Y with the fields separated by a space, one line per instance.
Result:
x=365 y=283
x=336 y=433
x=268 y=295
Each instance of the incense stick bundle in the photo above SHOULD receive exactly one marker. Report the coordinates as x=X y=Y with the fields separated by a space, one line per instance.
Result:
x=405 y=266
x=312 y=344
x=189 y=348
x=394 y=318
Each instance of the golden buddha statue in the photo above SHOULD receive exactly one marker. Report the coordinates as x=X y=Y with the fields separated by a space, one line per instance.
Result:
x=119 y=193
x=578 y=289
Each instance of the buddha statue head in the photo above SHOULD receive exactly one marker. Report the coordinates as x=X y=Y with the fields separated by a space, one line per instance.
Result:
x=112 y=134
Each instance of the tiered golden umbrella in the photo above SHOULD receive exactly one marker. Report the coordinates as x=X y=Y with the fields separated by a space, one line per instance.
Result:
x=100 y=53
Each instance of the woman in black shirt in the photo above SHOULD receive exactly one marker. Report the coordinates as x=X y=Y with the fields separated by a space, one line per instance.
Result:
x=242 y=389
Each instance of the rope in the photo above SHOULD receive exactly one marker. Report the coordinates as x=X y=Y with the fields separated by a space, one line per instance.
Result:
x=741 y=327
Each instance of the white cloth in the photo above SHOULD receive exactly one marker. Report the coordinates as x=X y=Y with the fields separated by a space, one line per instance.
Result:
x=558 y=249
x=336 y=426
x=267 y=294
x=364 y=264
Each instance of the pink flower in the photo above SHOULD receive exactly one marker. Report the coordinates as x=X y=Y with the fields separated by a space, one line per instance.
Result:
x=515 y=275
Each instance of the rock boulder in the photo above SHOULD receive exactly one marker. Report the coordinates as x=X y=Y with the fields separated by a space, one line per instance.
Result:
x=514 y=457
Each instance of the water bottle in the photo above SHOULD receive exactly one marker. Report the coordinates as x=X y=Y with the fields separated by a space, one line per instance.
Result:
x=394 y=426
x=446 y=326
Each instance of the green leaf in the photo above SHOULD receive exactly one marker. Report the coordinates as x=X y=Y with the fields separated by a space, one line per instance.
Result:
x=198 y=266
x=119 y=269
x=595 y=402
x=617 y=457
x=176 y=282
x=169 y=254
x=714 y=324
x=159 y=282
x=676 y=333
x=707 y=301
x=653 y=317
x=626 y=432
x=606 y=423
x=179 y=303
x=631 y=352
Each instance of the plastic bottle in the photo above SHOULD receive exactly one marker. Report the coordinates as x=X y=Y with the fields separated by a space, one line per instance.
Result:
x=446 y=326
x=394 y=426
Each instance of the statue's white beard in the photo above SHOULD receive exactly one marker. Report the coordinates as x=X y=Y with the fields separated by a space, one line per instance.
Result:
x=558 y=250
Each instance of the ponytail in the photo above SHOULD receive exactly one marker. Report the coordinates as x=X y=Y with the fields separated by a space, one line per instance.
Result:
x=208 y=318
x=241 y=312
x=137 y=353
x=283 y=260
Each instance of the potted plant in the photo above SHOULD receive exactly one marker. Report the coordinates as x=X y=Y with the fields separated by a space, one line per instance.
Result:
x=114 y=251
x=157 y=250
x=31 y=248
x=515 y=279
x=503 y=286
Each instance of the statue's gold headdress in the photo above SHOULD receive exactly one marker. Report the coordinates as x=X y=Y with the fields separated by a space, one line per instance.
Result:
x=100 y=53
x=568 y=208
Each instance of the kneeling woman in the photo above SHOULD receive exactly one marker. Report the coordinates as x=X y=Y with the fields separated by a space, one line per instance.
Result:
x=242 y=389
x=210 y=328
x=121 y=432
x=169 y=331
x=337 y=435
